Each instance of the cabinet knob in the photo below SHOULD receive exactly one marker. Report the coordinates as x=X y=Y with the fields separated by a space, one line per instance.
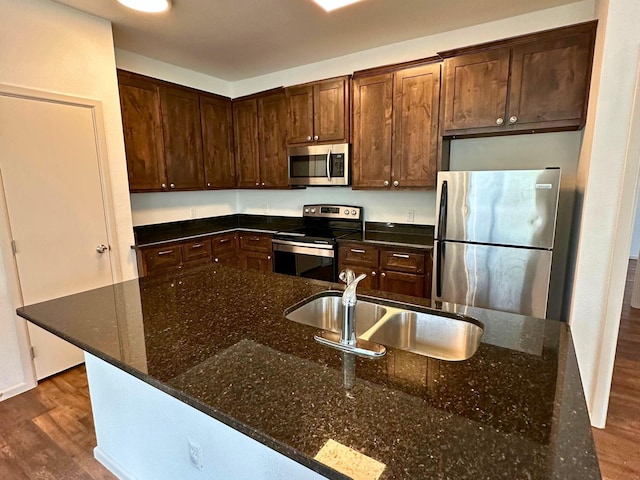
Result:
x=164 y=185
x=383 y=274
x=316 y=137
x=513 y=119
x=386 y=183
x=263 y=184
x=308 y=138
x=215 y=260
x=208 y=184
x=172 y=185
x=373 y=273
x=499 y=121
x=257 y=184
x=396 y=183
x=269 y=257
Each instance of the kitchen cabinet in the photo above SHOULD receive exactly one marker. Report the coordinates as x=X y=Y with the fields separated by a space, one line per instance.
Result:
x=182 y=133
x=260 y=141
x=395 y=118
x=318 y=112
x=255 y=251
x=390 y=269
x=217 y=142
x=173 y=256
x=225 y=249
x=537 y=82
x=142 y=128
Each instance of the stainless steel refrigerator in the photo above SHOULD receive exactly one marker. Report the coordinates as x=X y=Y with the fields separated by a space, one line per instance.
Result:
x=494 y=239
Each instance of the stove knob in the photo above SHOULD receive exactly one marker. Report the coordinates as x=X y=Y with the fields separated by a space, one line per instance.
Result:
x=353 y=212
x=313 y=210
x=346 y=212
x=306 y=210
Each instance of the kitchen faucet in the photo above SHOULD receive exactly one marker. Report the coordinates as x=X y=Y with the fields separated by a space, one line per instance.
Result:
x=349 y=300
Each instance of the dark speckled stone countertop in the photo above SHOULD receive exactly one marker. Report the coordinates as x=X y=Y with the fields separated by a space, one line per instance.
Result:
x=215 y=338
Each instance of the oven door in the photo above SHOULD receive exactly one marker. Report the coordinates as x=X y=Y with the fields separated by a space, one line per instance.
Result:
x=305 y=260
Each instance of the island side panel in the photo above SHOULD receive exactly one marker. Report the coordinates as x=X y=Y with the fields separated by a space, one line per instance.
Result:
x=143 y=433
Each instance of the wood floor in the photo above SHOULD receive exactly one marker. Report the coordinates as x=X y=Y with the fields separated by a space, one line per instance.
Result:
x=618 y=444
x=47 y=433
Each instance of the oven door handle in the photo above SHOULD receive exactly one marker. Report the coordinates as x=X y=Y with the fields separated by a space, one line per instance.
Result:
x=328 y=164
x=303 y=249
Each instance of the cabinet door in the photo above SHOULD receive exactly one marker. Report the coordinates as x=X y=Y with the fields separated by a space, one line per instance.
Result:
x=550 y=82
x=416 y=108
x=371 y=280
x=331 y=111
x=300 y=114
x=225 y=249
x=182 y=138
x=217 y=142
x=372 y=109
x=142 y=127
x=272 y=133
x=245 y=129
x=475 y=90
x=400 y=282
x=256 y=261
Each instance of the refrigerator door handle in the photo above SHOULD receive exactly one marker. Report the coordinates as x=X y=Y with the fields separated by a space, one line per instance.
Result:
x=439 y=262
x=442 y=224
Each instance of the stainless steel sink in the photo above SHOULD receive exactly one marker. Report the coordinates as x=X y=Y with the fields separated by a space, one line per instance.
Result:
x=326 y=312
x=420 y=330
x=430 y=334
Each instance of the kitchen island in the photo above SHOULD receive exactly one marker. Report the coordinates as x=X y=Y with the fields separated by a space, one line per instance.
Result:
x=213 y=340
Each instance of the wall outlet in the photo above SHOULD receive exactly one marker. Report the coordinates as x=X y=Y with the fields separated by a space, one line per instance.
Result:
x=195 y=454
x=193 y=212
x=411 y=214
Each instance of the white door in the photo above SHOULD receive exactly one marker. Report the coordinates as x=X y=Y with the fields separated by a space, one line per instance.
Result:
x=50 y=174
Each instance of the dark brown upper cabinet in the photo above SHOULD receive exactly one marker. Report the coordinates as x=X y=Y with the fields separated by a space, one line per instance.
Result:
x=260 y=126
x=272 y=140
x=182 y=134
x=537 y=82
x=245 y=129
x=142 y=126
x=217 y=142
x=318 y=112
x=395 y=123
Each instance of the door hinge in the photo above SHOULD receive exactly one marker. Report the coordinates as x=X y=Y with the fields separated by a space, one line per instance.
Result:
x=13 y=247
x=32 y=352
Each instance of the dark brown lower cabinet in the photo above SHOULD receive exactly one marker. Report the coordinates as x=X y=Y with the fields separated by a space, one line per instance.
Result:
x=398 y=270
x=255 y=251
x=256 y=261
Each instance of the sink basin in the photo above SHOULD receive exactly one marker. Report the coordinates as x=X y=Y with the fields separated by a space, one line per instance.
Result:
x=430 y=334
x=326 y=312
x=420 y=330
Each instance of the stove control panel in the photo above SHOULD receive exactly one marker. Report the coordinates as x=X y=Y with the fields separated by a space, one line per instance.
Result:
x=333 y=211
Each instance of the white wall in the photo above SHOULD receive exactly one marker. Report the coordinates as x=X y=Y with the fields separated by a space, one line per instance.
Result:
x=635 y=240
x=607 y=183
x=379 y=206
x=45 y=46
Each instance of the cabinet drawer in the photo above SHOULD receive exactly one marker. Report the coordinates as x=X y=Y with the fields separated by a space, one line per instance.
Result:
x=160 y=258
x=402 y=261
x=359 y=254
x=224 y=243
x=255 y=242
x=196 y=250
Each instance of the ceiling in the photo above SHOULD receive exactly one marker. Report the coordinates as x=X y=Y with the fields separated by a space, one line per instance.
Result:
x=238 y=39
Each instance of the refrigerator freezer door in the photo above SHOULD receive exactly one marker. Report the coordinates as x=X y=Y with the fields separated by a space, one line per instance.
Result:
x=514 y=207
x=508 y=279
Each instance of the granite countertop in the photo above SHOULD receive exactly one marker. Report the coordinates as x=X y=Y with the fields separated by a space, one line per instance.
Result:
x=147 y=235
x=398 y=234
x=215 y=338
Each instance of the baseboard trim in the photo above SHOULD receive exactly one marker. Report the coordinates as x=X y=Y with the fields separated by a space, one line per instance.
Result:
x=112 y=465
x=15 y=390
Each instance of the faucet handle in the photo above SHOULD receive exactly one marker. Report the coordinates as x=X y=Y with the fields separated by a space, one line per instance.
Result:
x=347 y=276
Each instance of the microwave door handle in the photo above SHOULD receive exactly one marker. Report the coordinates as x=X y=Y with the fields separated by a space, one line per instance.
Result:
x=328 y=164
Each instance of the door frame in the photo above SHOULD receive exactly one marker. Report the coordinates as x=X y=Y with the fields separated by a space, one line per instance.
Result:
x=10 y=265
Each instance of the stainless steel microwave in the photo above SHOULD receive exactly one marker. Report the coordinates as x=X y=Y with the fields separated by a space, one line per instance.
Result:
x=319 y=165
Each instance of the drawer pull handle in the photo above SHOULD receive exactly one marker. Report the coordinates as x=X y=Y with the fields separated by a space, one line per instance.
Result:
x=357 y=250
x=401 y=255
x=198 y=245
x=254 y=239
x=165 y=252
x=224 y=240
